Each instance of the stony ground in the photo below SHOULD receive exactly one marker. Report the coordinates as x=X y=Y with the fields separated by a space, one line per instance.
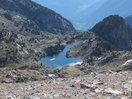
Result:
x=110 y=85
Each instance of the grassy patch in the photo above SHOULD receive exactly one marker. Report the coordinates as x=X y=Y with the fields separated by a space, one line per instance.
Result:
x=112 y=65
x=71 y=71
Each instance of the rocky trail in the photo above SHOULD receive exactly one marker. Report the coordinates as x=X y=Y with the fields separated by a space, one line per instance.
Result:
x=109 y=85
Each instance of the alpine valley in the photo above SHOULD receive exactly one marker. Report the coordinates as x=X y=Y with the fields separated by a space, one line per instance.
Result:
x=95 y=64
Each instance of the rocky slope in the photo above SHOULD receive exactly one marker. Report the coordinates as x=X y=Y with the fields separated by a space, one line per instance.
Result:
x=25 y=28
x=19 y=56
x=109 y=85
x=129 y=20
x=30 y=16
x=17 y=47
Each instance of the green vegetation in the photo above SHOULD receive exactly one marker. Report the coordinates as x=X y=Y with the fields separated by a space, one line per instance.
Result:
x=70 y=71
x=112 y=66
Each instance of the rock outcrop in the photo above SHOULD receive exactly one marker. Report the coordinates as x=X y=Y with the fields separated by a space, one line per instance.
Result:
x=54 y=49
x=116 y=31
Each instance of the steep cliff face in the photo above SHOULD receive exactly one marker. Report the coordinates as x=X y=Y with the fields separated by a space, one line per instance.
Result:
x=116 y=31
x=129 y=20
x=31 y=15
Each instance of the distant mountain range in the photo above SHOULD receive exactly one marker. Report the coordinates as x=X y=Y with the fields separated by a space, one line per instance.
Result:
x=129 y=20
x=84 y=14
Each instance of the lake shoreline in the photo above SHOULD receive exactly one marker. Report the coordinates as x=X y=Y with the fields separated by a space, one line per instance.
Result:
x=61 y=60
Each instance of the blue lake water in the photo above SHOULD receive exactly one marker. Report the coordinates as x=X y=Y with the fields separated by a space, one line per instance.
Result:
x=60 y=60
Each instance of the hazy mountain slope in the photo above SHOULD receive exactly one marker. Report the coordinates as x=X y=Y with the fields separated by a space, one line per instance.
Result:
x=129 y=20
x=69 y=8
x=31 y=15
x=120 y=7
x=76 y=11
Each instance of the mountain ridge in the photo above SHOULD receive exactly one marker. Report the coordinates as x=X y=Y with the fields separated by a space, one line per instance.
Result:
x=32 y=15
